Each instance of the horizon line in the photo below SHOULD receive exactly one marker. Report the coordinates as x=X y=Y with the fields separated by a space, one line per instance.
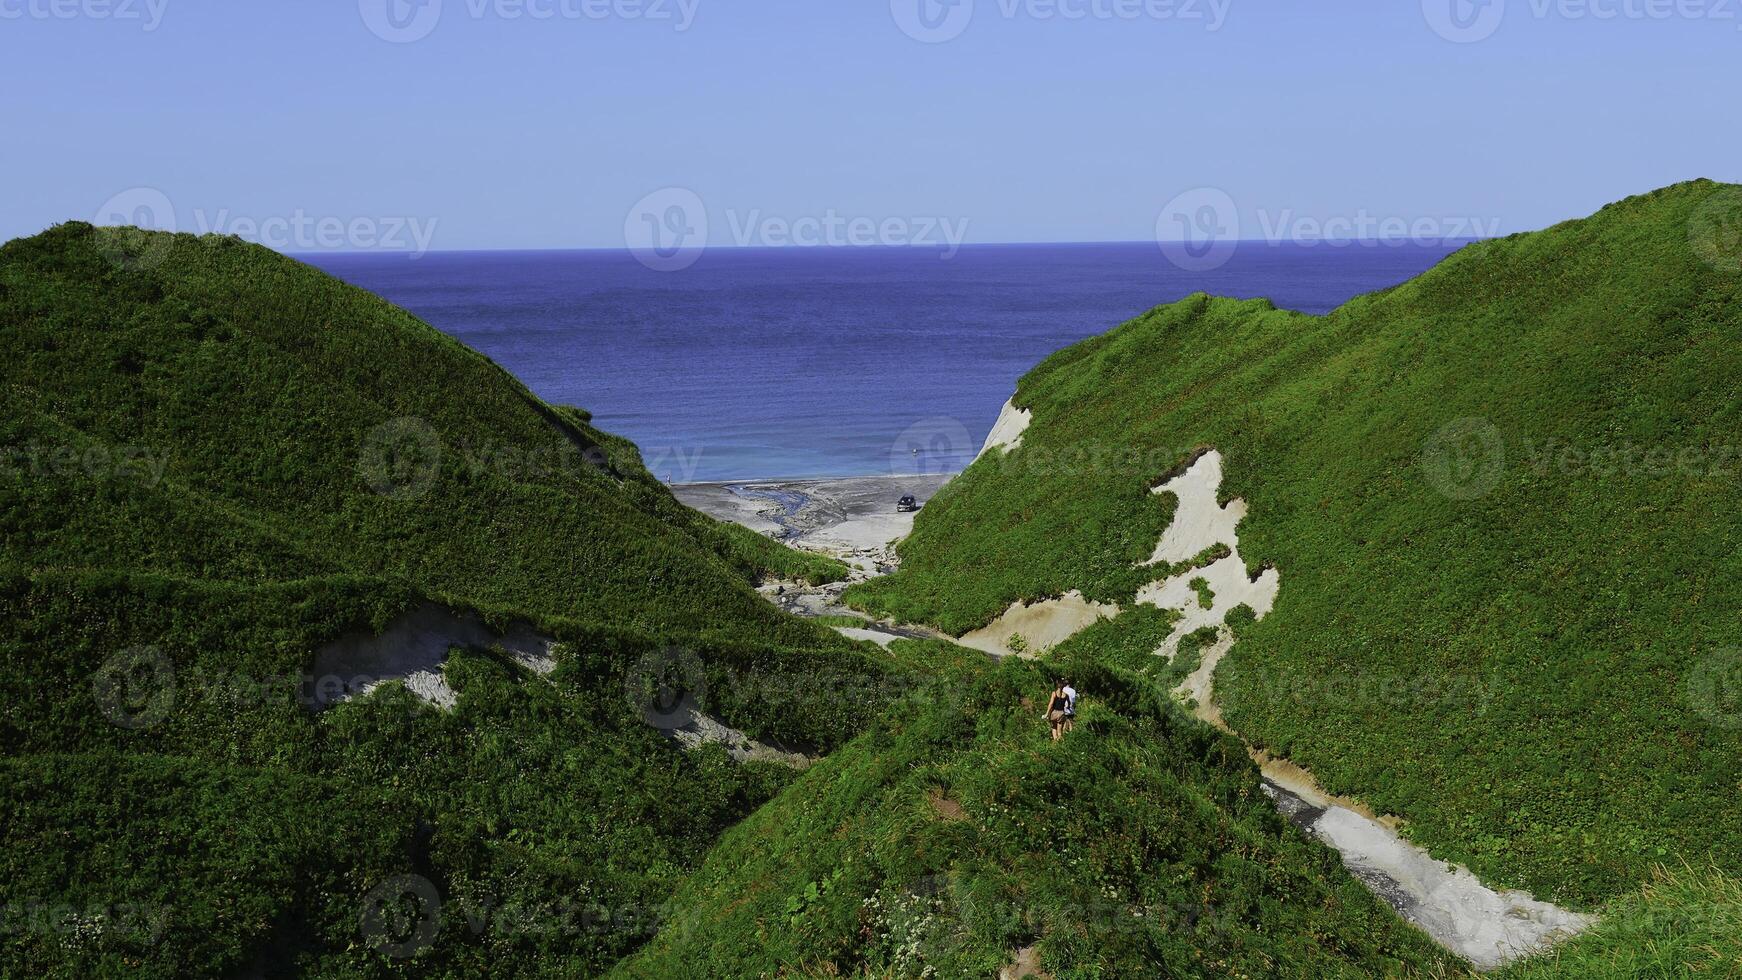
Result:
x=1149 y=242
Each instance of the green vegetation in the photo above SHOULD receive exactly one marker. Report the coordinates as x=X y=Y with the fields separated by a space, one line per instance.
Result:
x=1502 y=500
x=215 y=460
x=847 y=622
x=955 y=834
x=219 y=460
x=1206 y=595
x=1684 y=924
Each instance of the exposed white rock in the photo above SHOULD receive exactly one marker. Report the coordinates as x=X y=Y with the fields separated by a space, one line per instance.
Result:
x=1042 y=625
x=1489 y=928
x=1197 y=684
x=1199 y=523
x=413 y=650
x=878 y=637
x=699 y=729
x=1007 y=431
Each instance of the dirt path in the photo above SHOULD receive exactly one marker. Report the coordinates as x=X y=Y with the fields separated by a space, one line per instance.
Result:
x=1487 y=927
x=854 y=520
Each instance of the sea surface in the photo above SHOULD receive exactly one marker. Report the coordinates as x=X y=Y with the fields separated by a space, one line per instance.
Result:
x=824 y=362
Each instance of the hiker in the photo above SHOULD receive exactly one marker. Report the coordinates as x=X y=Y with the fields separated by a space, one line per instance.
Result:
x=1055 y=711
x=1070 y=707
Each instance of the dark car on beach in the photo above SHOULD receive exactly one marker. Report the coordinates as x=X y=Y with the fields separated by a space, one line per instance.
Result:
x=906 y=505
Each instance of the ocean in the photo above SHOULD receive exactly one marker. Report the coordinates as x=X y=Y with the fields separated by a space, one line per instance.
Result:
x=824 y=362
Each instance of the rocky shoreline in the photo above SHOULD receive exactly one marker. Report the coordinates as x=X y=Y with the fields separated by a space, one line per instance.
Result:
x=852 y=518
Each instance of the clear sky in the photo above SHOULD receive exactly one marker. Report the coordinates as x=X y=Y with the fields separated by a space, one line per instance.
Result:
x=479 y=124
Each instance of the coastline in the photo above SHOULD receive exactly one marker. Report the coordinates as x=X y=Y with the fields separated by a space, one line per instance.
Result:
x=853 y=518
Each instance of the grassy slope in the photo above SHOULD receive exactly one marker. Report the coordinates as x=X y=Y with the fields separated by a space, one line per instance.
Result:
x=938 y=838
x=955 y=833
x=1511 y=672
x=256 y=382
x=1683 y=924
x=238 y=829
x=259 y=381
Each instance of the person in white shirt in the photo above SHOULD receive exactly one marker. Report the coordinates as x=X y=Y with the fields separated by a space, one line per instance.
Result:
x=1070 y=706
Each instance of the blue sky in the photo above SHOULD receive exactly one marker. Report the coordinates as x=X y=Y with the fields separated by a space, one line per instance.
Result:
x=483 y=126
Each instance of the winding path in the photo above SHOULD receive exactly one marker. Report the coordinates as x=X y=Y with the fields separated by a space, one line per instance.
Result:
x=1489 y=928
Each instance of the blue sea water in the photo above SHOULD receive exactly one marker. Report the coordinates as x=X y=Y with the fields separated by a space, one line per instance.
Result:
x=761 y=363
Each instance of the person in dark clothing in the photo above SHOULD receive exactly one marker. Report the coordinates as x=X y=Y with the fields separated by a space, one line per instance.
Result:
x=1055 y=710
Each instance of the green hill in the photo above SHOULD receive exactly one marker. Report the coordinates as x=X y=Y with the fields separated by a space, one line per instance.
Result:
x=217 y=461
x=1682 y=924
x=954 y=834
x=1502 y=502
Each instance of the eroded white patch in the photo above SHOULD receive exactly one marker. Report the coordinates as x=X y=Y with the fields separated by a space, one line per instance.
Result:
x=413 y=650
x=1197 y=684
x=1007 y=431
x=1200 y=523
x=1489 y=928
x=699 y=729
x=878 y=637
x=1042 y=625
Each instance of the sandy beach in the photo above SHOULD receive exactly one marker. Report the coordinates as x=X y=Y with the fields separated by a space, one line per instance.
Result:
x=852 y=517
